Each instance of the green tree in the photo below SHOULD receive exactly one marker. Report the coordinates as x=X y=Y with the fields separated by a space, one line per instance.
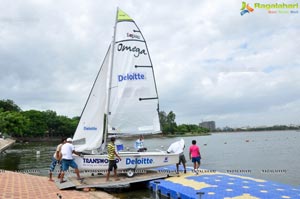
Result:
x=66 y=126
x=13 y=123
x=167 y=122
x=9 y=105
x=52 y=122
x=171 y=122
x=163 y=121
x=32 y=123
x=37 y=125
x=182 y=128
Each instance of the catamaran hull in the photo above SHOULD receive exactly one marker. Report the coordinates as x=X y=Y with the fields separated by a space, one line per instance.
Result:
x=129 y=161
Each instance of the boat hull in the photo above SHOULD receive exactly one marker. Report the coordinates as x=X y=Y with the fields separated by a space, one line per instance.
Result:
x=129 y=161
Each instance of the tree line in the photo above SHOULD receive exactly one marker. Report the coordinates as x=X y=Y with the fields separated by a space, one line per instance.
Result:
x=169 y=126
x=33 y=123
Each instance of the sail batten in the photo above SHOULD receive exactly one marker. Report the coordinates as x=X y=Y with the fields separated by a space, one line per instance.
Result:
x=129 y=40
x=140 y=66
x=149 y=98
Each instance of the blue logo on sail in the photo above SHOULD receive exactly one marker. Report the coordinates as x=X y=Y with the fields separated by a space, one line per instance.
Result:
x=88 y=128
x=131 y=76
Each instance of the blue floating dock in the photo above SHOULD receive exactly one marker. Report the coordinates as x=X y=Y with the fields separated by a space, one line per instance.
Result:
x=216 y=185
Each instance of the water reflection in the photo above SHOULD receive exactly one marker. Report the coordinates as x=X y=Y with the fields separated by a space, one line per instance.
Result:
x=23 y=157
x=10 y=161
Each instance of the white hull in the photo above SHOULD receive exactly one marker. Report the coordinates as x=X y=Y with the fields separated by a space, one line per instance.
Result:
x=130 y=161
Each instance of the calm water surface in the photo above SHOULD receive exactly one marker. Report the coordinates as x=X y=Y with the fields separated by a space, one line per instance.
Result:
x=271 y=155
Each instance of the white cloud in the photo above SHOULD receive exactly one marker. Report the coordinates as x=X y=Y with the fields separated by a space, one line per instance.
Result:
x=210 y=62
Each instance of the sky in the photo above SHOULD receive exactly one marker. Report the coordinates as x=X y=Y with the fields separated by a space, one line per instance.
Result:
x=211 y=63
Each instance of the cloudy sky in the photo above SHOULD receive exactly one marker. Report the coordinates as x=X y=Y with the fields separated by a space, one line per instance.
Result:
x=210 y=62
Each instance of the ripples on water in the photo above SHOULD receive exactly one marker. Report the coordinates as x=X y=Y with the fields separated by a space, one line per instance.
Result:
x=269 y=155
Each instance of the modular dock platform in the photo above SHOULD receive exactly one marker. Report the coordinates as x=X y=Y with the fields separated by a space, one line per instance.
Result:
x=206 y=185
x=216 y=185
x=99 y=181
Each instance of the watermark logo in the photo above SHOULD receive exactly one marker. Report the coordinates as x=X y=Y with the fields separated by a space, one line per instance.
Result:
x=278 y=8
x=246 y=8
x=271 y=8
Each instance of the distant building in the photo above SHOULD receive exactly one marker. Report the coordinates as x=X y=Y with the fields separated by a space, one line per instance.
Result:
x=211 y=125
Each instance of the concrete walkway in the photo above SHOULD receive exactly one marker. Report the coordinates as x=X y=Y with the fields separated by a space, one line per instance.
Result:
x=24 y=186
x=5 y=143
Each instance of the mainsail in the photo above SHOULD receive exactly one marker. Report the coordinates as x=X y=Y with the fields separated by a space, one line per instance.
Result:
x=124 y=94
x=133 y=106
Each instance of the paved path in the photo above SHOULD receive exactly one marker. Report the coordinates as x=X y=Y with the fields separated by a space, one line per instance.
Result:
x=24 y=186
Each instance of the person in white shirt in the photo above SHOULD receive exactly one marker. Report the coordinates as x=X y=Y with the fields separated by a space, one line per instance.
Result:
x=139 y=144
x=178 y=147
x=67 y=160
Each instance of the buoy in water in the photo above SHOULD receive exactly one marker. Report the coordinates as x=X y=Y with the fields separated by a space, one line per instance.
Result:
x=38 y=152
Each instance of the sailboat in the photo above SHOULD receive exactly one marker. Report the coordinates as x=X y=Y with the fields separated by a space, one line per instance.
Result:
x=123 y=102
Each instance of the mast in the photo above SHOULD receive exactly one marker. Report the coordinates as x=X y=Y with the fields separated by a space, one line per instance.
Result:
x=110 y=78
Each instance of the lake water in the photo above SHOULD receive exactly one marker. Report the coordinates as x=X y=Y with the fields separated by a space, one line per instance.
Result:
x=270 y=155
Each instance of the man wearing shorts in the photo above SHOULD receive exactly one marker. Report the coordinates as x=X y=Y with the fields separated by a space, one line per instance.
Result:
x=178 y=148
x=195 y=156
x=67 y=160
x=111 y=150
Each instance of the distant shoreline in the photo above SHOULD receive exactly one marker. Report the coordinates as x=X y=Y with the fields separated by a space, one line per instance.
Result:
x=58 y=139
x=37 y=139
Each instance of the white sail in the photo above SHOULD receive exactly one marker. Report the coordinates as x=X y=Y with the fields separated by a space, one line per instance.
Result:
x=124 y=92
x=90 y=130
x=133 y=106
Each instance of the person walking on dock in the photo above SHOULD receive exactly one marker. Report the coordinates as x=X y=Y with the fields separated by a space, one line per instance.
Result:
x=111 y=149
x=56 y=159
x=67 y=160
x=178 y=147
x=195 y=156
